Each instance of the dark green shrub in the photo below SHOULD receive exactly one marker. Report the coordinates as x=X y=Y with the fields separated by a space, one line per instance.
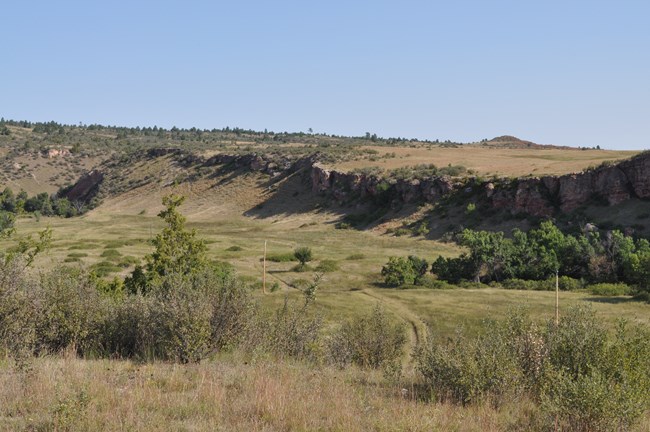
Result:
x=398 y=271
x=303 y=254
x=355 y=257
x=235 y=248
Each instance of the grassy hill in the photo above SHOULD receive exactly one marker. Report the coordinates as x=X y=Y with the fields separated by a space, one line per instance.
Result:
x=237 y=209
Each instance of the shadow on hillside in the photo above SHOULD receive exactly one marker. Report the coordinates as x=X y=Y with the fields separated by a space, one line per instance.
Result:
x=292 y=195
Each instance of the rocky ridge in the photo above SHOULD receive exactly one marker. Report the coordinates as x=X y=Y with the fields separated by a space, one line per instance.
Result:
x=537 y=196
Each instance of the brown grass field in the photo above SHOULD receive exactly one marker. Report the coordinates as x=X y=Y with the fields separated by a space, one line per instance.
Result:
x=505 y=162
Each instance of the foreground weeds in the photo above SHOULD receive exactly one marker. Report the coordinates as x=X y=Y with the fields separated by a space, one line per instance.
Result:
x=229 y=393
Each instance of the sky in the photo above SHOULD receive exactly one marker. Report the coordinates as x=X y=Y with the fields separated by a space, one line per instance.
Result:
x=565 y=72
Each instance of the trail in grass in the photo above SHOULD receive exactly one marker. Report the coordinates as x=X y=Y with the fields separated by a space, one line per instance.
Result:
x=416 y=326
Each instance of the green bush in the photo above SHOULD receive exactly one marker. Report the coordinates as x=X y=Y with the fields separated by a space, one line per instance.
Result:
x=281 y=257
x=567 y=283
x=235 y=248
x=303 y=254
x=596 y=382
x=404 y=271
x=429 y=281
x=111 y=254
x=327 y=266
x=610 y=289
x=371 y=340
x=355 y=257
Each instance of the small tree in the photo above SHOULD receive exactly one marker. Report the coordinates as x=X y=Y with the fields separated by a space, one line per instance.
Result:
x=303 y=254
x=177 y=249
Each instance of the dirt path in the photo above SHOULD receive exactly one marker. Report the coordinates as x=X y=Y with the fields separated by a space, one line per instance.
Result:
x=416 y=327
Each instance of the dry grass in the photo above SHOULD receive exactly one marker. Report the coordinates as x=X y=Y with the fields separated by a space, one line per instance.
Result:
x=79 y=395
x=486 y=160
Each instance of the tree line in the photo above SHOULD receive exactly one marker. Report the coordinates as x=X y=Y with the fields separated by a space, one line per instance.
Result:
x=40 y=204
x=590 y=256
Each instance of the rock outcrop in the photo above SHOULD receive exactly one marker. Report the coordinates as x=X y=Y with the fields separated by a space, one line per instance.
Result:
x=610 y=184
x=544 y=197
x=86 y=187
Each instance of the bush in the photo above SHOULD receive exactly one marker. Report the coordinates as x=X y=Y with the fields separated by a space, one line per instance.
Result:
x=70 y=311
x=469 y=370
x=429 y=281
x=281 y=257
x=303 y=255
x=18 y=311
x=182 y=318
x=596 y=382
x=567 y=283
x=404 y=271
x=370 y=340
x=104 y=268
x=111 y=254
x=397 y=272
x=610 y=289
x=293 y=331
x=327 y=266
x=355 y=257
x=235 y=248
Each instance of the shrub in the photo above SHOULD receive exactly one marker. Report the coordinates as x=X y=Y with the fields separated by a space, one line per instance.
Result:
x=404 y=271
x=327 y=266
x=303 y=254
x=235 y=248
x=398 y=271
x=18 y=311
x=70 y=311
x=104 y=268
x=281 y=257
x=370 y=340
x=610 y=289
x=596 y=382
x=293 y=330
x=356 y=257
x=182 y=318
x=429 y=281
x=469 y=370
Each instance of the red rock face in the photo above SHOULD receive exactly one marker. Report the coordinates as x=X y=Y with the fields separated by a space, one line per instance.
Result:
x=637 y=172
x=575 y=190
x=612 y=184
x=320 y=178
x=530 y=199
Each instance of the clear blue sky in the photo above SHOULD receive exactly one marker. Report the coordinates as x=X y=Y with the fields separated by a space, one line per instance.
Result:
x=556 y=72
